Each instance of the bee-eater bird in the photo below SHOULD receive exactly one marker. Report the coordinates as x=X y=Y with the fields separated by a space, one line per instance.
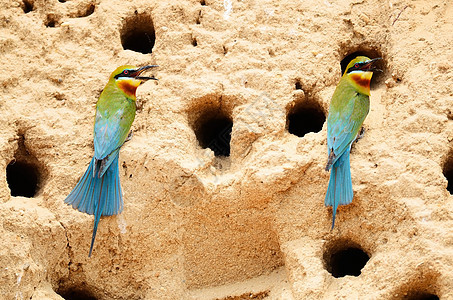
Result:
x=98 y=192
x=349 y=107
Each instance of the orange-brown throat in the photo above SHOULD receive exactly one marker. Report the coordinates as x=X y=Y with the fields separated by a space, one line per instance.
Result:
x=361 y=80
x=129 y=87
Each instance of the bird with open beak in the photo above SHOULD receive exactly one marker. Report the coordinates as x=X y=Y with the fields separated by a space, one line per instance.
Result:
x=98 y=192
x=349 y=107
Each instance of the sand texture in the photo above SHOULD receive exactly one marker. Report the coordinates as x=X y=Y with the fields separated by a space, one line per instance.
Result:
x=251 y=225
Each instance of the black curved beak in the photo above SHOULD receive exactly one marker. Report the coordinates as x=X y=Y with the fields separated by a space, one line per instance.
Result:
x=137 y=73
x=370 y=65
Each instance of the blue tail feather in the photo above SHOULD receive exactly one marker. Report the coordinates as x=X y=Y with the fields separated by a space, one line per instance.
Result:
x=339 y=191
x=99 y=196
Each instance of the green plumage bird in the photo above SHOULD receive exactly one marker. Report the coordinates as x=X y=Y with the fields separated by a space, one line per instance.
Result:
x=98 y=192
x=349 y=107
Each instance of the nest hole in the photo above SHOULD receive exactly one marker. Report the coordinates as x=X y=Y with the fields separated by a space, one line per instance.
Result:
x=345 y=258
x=298 y=85
x=213 y=131
x=138 y=34
x=420 y=296
x=194 y=42
x=448 y=172
x=51 y=21
x=422 y=286
x=304 y=117
x=76 y=294
x=27 y=6
x=203 y=2
x=378 y=76
x=22 y=179
x=22 y=174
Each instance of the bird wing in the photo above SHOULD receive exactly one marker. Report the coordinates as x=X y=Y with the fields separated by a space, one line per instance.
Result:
x=344 y=124
x=109 y=134
x=111 y=128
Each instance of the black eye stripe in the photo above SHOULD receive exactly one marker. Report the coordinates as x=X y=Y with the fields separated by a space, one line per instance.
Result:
x=353 y=68
x=125 y=72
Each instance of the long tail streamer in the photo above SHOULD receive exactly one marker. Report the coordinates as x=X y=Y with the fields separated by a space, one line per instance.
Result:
x=339 y=191
x=98 y=196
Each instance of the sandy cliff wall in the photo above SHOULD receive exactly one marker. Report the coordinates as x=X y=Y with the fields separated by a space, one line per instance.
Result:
x=201 y=225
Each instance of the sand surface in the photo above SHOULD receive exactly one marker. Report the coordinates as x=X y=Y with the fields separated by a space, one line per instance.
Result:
x=251 y=225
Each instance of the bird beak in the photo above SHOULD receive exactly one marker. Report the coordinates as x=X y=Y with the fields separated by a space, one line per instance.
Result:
x=370 y=65
x=137 y=73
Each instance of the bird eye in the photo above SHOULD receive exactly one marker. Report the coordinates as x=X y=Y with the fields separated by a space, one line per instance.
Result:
x=356 y=65
x=125 y=72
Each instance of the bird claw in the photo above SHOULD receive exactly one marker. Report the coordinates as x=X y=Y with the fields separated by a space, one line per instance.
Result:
x=358 y=137
x=129 y=136
x=361 y=134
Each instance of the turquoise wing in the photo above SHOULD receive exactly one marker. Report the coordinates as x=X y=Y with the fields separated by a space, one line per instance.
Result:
x=343 y=125
x=110 y=131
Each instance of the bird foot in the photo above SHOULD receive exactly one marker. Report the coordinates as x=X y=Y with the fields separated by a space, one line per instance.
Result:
x=129 y=136
x=361 y=134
